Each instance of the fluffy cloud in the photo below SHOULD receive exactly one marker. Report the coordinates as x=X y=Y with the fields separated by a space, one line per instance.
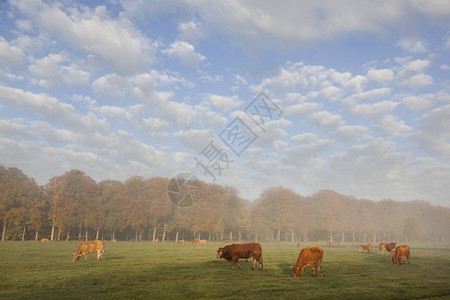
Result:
x=92 y=31
x=185 y=52
x=381 y=76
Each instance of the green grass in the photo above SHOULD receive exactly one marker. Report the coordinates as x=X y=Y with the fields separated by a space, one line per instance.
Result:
x=30 y=270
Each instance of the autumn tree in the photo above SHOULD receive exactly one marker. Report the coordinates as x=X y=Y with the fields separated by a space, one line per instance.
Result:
x=110 y=191
x=135 y=204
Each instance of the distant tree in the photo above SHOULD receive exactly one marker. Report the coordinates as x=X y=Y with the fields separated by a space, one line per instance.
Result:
x=207 y=211
x=160 y=206
x=135 y=204
x=110 y=196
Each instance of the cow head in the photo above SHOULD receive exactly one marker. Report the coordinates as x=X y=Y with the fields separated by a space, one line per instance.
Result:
x=219 y=252
x=394 y=261
x=76 y=257
x=297 y=271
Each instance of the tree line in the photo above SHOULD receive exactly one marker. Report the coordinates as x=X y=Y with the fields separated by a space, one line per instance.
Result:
x=73 y=206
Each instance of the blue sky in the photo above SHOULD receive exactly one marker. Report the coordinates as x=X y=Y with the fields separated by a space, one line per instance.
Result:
x=345 y=95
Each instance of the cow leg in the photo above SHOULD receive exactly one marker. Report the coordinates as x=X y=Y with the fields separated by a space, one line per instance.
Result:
x=312 y=269
x=254 y=263
x=237 y=263
x=261 y=263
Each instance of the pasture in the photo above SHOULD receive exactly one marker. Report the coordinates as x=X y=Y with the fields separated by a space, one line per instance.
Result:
x=143 y=270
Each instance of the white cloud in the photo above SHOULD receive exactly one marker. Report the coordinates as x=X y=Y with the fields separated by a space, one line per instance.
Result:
x=325 y=119
x=347 y=133
x=185 y=52
x=413 y=46
x=51 y=72
x=417 y=103
x=224 y=103
x=303 y=110
x=52 y=109
x=382 y=76
x=416 y=81
x=92 y=31
x=433 y=134
x=10 y=55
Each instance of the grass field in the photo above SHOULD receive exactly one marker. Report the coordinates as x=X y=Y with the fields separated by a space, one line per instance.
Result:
x=129 y=270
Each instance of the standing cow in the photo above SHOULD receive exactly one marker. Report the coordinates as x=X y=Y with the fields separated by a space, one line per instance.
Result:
x=233 y=252
x=311 y=256
x=390 y=248
x=401 y=252
x=89 y=247
x=364 y=248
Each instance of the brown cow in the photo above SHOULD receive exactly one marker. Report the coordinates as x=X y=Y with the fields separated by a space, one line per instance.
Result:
x=45 y=240
x=311 y=256
x=180 y=242
x=233 y=252
x=382 y=247
x=201 y=242
x=390 y=248
x=89 y=247
x=364 y=248
x=371 y=245
x=401 y=252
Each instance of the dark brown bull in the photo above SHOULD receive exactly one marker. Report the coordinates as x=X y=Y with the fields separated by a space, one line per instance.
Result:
x=311 y=256
x=233 y=252
x=401 y=252
x=390 y=248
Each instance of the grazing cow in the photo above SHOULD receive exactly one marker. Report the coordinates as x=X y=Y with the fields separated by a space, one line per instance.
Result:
x=201 y=242
x=195 y=241
x=371 y=245
x=45 y=240
x=364 y=248
x=180 y=242
x=333 y=244
x=233 y=252
x=401 y=252
x=311 y=256
x=89 y=247
x=382 y=247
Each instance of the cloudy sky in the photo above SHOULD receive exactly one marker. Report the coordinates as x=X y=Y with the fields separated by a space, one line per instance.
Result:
x=352 y=96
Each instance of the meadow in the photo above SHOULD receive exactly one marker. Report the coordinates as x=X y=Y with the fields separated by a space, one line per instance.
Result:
x=144 y=270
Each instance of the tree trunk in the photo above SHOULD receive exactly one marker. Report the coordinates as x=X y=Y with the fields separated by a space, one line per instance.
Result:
x=154 y=234
x=176 y=237
x=278 y=235
x=353 y=237
x=231 y=235
x=343 y=237
x=96 y=237
x=59 y=233
x=137 y=231
x=4 y=230
x=331 y=235
x=23 y=232
x=87 y=234
x=36 y=236
x=53 y=228
x=256 y=237
x=164 y=233
x=68 y=233
x=79 y=234
x=293 y=236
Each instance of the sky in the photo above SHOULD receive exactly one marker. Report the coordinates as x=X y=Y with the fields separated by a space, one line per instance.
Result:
x=346 y=95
